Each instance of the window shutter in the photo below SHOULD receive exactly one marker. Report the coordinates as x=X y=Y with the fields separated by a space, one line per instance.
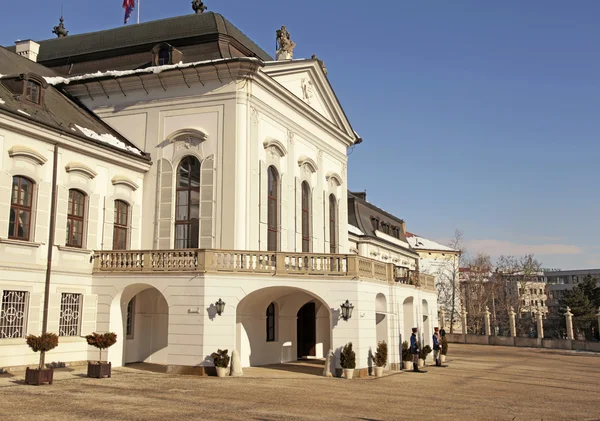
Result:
x=298 y=197
x=62 y=205
x=284 y=223
x=5 y=198
x=53 y=313
x=109 y=223
x=42 y=218
x=34 y=318
x=134 y=232
x=92 y=231
x=165 y=211
x=263 y=185
x=207 y=203
x=88 y=320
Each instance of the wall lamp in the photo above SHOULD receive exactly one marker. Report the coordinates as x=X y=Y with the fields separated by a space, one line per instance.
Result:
x=347 y=308
x=220 y=305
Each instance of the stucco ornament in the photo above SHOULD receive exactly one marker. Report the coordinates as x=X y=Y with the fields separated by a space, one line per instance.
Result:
x=285 y=46
x=307 y=90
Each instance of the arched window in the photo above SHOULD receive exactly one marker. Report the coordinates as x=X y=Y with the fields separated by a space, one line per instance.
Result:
x=121 y=226
x=273 y=210
x=20 y=208
x=75 y=218
x=271 y=323
x=187 y=208
x=333 y=246
x=306 y=217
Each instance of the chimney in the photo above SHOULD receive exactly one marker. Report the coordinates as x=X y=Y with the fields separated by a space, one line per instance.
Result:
x=404 y=227
x=28 y=49
x=361 y=195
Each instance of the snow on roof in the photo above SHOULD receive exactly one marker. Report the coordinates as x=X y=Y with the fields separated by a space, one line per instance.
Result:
x=118 y=73
x=108 y=138
x=420 y=243
x=2 y=101
x=23 y=112
x=354 y=230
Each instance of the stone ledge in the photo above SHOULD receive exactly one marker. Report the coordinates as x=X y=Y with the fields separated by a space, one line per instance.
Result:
x=56 y=365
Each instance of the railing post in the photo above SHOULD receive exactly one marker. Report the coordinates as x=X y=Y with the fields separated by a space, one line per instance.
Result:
x=97 y=258
x=389 y=273
x=147 y=261
x=206 y=261
x=280 y=263
x=353 y=266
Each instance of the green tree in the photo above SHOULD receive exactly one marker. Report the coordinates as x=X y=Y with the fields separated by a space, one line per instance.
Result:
x=583 y=301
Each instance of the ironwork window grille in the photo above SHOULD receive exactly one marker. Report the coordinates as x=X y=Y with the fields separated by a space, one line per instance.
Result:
x=271 y=323
x=332 y=224
x=70 y=314
x=305 y=218
x=20 y=208
x=130 y=318
x=273 y=209
x=121 y=225
x=75 y=218
x=13 y=314
x=187 y=208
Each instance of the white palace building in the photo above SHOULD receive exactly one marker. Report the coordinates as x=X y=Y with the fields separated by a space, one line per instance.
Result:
x=172 y=166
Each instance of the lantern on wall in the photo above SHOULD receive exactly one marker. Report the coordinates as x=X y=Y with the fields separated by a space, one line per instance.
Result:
x=220 y=305
x=347 y=308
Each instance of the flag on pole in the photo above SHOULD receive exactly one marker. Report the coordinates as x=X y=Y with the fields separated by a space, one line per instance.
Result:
x=128 y=5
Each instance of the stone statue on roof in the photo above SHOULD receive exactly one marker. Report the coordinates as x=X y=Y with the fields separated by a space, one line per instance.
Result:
x=285 y=46
x=60 y=30
x=321 y=63
x=198 y=6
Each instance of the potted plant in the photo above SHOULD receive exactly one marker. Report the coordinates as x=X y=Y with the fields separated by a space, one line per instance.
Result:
x=41 y=344
x=380 y=358
x=407 y=357
x=425 y=351
x=221 y=360
x=101 y=341
x=348 y=360
x=444 y=349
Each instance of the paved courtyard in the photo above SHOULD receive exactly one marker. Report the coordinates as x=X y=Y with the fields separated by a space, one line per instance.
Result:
x=480 y=383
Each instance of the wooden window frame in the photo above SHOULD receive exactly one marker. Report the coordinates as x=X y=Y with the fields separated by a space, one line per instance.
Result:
x=189 y=223
x=27 y=92
x=273 y=180
x=333 y=217
x=71 y=217
x=16 y=207
x=271 y=323
x=121 y=227
x=306 y=217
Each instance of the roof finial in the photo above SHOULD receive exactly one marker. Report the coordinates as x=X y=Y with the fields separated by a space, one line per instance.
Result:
x=60 y=30
x=285 y=50
x=198 y=6
x=321 y=63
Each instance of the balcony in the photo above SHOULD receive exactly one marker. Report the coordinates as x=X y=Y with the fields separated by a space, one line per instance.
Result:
x=261 y=262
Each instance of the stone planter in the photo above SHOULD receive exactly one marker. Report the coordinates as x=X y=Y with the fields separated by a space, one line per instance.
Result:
x=378 y=371
x=221 y=371
x=348 y=373
x=38 y=377
x=443 y=357
x=421 y=363
x=98 y=370
x=408 y=365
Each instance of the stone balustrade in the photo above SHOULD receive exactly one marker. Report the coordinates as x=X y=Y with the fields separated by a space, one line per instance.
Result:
x=258 y=262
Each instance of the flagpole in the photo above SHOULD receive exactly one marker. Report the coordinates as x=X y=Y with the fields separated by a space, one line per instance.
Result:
x=138 y=17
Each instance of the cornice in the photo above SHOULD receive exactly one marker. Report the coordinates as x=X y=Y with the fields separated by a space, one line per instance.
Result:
x=78 y=167
x=24 y=151
x=124 y=181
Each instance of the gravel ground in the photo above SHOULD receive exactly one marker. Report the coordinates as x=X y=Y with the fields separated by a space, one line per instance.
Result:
x=480 y=383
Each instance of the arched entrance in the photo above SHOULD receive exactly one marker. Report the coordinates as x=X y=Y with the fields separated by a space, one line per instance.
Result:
x=408 y=315
x=282 y=324
x=141 y=315
x=381 y=318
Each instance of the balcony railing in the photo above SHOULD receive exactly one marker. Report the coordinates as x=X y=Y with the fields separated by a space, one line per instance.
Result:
x=258 y=262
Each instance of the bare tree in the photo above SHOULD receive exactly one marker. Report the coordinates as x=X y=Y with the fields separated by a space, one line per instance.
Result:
x=448 y=277
x=476 y=290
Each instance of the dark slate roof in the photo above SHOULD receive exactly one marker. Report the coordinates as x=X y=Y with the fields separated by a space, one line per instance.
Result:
x=205 y=36
x=58 y=112
x=360 y=212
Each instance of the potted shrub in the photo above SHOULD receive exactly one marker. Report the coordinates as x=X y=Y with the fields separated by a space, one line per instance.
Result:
x=407 y=357
x=41 y=344
x=221 y=360
x=444 y=349
x=101 y=341
x=380 y=358
x=425 y=351
x=348 y=360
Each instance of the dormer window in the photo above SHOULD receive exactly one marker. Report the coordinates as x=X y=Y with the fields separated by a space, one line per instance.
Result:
x=375 y=223
x=164 y=57
x=33 y=91
x=164 y=54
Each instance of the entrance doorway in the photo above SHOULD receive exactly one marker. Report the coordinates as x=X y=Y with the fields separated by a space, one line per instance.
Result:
x=306 y=328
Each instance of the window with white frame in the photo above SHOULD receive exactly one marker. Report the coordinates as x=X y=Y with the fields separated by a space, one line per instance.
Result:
x=70 y=314
x=13 y=314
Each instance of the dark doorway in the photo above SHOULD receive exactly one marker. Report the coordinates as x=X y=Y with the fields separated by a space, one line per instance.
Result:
x=306 y=329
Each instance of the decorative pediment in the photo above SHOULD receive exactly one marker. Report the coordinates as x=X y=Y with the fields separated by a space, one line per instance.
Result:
x=275 y=146
x=25 y=152
x=305 y=162
x=78 y=167
x=124 y=181
x=334 y=179
x=192 y=137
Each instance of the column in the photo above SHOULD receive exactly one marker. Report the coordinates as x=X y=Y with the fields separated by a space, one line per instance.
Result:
x=512 y=322
x=488 y=328
x=463 y=318
x=569 y=319
x=540 y=324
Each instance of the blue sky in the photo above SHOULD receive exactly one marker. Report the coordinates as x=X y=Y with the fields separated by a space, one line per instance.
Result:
x=479 y=116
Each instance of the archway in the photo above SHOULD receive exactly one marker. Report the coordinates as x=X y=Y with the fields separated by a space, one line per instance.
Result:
x=140 y=317
x=297 y=325
x=381 y=318
x=408 y=315
x=426 y=323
